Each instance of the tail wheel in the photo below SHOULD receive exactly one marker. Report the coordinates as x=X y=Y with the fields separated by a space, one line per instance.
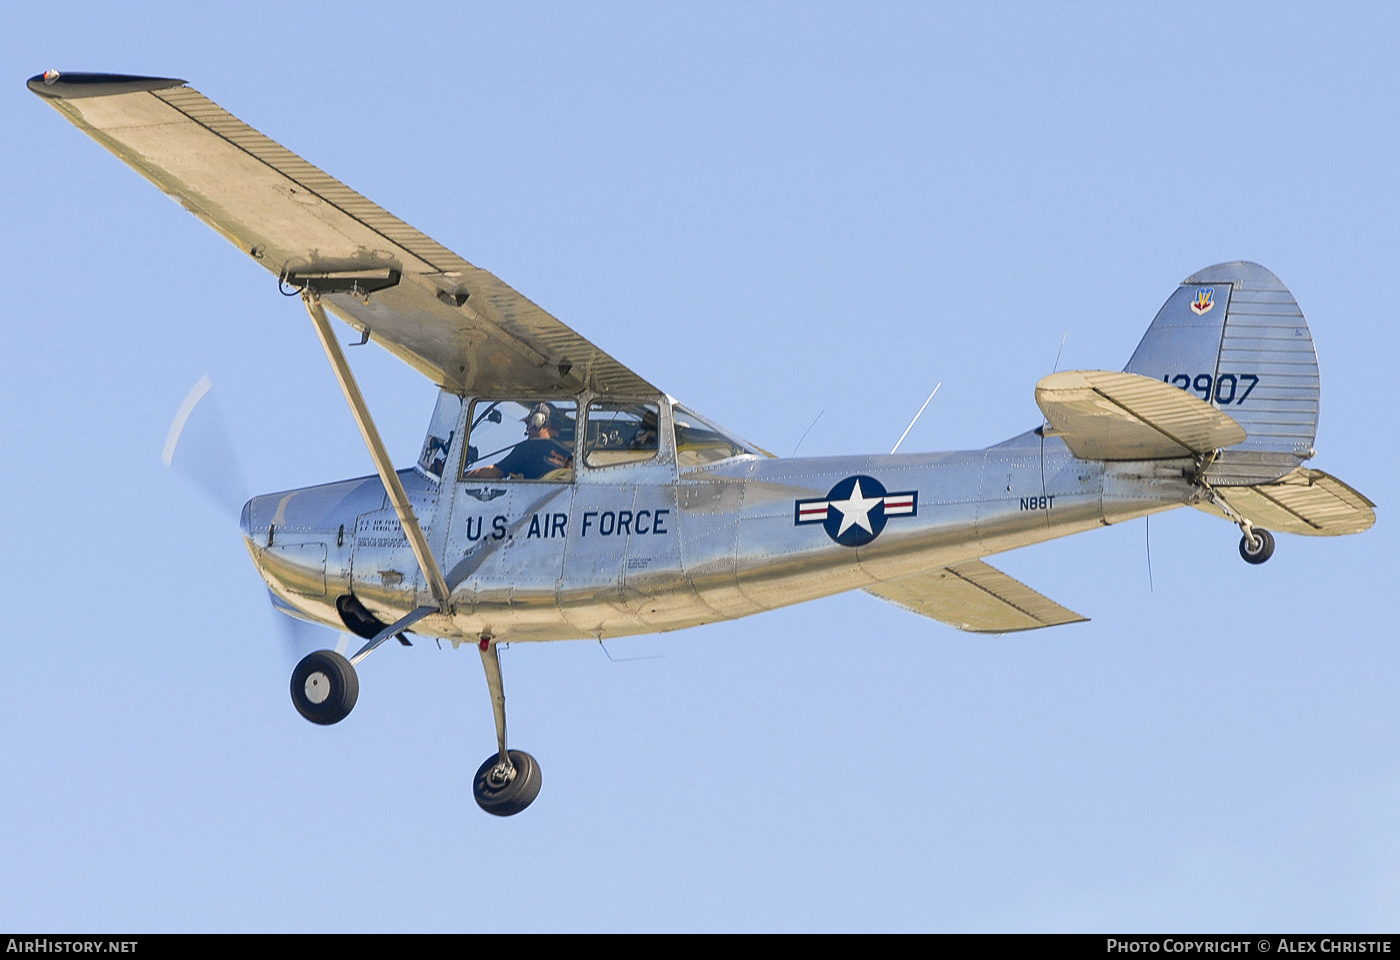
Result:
x=325 y=687
x=1259 y=549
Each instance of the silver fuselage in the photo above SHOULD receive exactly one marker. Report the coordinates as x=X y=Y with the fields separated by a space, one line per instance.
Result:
x=645 y=548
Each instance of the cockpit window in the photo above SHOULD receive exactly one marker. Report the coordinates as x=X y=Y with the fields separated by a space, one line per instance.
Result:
x=433 y=460
x=518 y=439
x=699 y=442
x=620 y=432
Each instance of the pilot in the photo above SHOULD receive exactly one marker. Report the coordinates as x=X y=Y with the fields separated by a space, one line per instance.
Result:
x=645 y=437
x=435 y=454
x=537 y=456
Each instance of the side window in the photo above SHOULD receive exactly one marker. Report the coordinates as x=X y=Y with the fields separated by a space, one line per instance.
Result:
x=521 y=440
x=620 y=432
x=433 y=460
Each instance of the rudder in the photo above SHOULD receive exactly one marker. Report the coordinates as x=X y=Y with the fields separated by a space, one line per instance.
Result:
x=1234 y=336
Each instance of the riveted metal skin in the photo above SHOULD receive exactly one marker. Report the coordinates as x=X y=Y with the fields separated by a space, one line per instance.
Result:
x=699 y=533
x=650 y=547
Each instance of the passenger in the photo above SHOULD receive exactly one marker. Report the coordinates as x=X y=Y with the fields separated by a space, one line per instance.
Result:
x=537 y=456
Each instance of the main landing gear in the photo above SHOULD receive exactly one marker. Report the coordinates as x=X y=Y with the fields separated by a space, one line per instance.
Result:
x=504 y=789
x=509 y=780
x=1256 y=545
x=325 y=687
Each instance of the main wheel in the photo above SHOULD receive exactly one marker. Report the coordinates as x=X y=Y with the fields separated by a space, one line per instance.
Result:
x=325 y=687
x=1261 y=549
x=505 y=791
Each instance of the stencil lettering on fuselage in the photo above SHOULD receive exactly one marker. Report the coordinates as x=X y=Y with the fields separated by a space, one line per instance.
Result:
x=592 y=524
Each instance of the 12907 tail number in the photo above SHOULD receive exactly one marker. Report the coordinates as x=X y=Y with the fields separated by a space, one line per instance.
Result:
x=1225 y=389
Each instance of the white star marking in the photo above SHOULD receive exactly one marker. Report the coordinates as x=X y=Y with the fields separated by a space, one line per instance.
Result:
x=855 y=512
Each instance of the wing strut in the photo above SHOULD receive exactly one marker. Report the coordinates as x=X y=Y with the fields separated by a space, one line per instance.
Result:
x=426 y=562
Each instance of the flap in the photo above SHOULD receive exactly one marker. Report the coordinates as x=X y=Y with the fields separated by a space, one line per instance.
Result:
x=976 y=597
x=457 y=324
x=1306 y=501
x=1122 y=416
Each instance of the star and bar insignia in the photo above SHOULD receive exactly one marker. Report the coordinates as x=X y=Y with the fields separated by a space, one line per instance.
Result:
x=856 y=510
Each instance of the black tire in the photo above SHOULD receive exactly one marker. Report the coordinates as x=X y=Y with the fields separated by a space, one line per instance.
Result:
x=1259 y=551
x=329 y=676
x=505 y=799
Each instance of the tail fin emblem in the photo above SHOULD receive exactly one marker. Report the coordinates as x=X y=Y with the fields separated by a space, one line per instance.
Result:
x=1205 y=299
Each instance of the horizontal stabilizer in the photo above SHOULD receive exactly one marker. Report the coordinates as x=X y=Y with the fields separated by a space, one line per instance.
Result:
x=1123 y=416
x=976 y=597
x=1306 y=501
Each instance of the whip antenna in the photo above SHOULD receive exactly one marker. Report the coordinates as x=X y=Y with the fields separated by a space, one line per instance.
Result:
x=808 y=430
x=915 y=420
x=1148 y=527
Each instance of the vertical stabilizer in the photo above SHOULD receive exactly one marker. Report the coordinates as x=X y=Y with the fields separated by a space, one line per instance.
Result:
x=1233 y=335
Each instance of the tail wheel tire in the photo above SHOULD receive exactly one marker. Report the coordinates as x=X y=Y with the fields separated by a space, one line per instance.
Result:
x=1260 y=549
x=325 y=687
x=505 y=791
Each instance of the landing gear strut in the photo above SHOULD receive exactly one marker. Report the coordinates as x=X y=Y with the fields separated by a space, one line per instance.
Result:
x=1256 y=545
x=325 y=687
x=509 y=780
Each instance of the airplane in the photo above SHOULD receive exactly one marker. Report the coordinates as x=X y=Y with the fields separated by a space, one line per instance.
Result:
x=561 y=496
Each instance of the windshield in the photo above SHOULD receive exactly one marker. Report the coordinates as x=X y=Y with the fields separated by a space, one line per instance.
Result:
x=699 y=441
x=441 y=428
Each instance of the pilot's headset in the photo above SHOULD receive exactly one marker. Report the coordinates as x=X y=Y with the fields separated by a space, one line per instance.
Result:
x=539 y=416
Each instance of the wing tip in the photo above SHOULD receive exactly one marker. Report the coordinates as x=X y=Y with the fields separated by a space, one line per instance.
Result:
x=73 y=86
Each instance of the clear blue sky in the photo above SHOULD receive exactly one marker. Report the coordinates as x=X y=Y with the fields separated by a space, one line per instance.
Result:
x=725 y=197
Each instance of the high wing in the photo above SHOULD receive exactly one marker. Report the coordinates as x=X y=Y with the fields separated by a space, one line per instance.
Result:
x=976 y=597
x=457 y=324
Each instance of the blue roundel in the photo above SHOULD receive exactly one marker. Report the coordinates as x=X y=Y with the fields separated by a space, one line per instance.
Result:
x=856 y=513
